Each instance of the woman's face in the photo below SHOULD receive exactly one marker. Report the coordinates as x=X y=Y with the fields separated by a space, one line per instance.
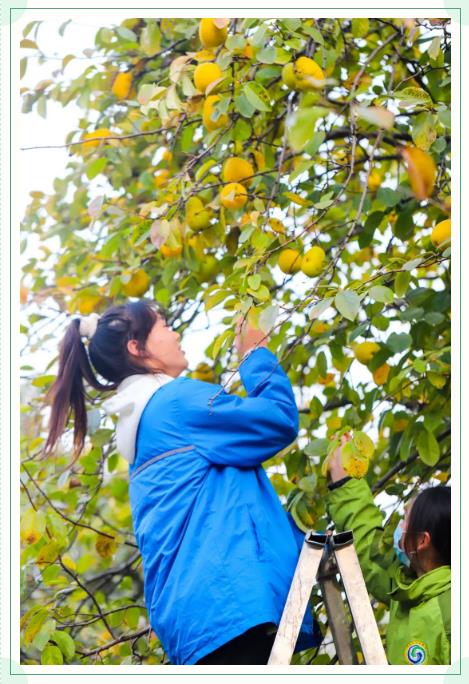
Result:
x=163 y=347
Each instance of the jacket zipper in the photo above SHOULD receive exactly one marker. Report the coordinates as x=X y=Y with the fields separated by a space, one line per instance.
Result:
x=159 y=457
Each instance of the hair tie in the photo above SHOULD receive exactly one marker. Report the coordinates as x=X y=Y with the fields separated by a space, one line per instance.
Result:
x=88 y=325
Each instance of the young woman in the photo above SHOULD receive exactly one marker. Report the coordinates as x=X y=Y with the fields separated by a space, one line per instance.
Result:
x=218 y=549
x=414 y=579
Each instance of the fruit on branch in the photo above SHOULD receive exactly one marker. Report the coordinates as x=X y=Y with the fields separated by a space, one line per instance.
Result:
x=210 y=123
x=197 y=216
x=289 y=260
x=355 y=454
x=233 y=196
x=203 y=372
x=209 y=33
x=205 y=74
x=137 y=285
x=237 y=170
x=304 y=74
x=98 y=133
x=122 y=85
x=313 y=261
x=441 y=233
x=365 y=351
x=161 y=178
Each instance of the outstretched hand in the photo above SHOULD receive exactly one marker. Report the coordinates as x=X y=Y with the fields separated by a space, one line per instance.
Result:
x=336 y=469
x=248 y=337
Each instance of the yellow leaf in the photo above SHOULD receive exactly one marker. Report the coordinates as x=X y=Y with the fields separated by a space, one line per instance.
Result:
x=421 y=170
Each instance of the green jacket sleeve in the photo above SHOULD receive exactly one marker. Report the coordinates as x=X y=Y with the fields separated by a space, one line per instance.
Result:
x=351 y=507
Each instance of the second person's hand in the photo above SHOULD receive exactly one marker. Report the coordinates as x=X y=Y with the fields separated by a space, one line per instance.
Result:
x=248 y=337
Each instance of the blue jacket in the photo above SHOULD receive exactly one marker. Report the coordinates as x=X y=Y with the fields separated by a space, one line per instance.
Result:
x=218 y=549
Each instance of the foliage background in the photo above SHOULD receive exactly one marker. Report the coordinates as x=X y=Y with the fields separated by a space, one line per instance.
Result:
x=334 y=179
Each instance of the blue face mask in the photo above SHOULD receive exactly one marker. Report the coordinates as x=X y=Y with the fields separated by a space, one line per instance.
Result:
x=402 y=556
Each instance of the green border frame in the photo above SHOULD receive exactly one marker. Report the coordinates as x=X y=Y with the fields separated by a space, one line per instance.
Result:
x=300 y=674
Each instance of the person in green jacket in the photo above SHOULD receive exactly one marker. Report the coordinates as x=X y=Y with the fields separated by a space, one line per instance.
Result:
x=414 y=578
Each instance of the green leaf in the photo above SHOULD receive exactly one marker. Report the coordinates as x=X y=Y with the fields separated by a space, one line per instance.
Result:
x=300 y=126
x=125 y=33
x=360 y=27
x=42 y=106
x=428 y=447
x=399 y=342
x=320 y=307
x=388 y=196
x=267 y=55
x=150 y=38
x=317 y=447
x=27 y=29
x=308 y=483
x=424 y=130
x=254 y=281
x=347 y=303
x=321 y=364
x=267 y=317
x=404 y=226
x=257 y=96
x=414 y=96
x=51 y=655
x=242 y=130
x=381 y=293
x=401 y=283
x=65 y=642
x=243 y=106
x=221 y=343
x=315 y=142
x=215 y=299
x=95 y=167
x=407 y=440
x=44 y=634
x=434 y=48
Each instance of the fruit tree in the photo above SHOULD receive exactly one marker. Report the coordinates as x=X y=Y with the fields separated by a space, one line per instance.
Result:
x=294 y=171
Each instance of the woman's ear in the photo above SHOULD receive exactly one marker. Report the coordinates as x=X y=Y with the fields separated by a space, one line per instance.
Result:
x=424 y=541
x=132 y=348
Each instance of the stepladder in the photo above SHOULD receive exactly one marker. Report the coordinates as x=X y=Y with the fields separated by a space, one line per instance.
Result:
x=323 y=558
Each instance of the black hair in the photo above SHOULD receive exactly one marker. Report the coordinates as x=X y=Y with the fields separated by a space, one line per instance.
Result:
x=431 y=512
x=109 y=355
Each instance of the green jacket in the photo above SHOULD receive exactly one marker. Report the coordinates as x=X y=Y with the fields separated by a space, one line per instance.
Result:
x=419 y=629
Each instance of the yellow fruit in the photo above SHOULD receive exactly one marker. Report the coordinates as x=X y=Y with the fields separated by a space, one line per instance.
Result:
x=289 y=261
x=333 y=422
x=299 y=75
x=236 y=169
x=205 y=74
x=374 y=180
x=365 y=351
x=380 y=375
x=98 y=133
x=167 y=251
x=197 y=217
x=233 y=196
x=421 y=170
x=259 y=159
x=210 y=35
x=207 y=111
x=122 y=85
x=137 y=285
x=88 y=303
x=167 y=154
x=313 y=261
x=441 y=232
x=161 y=178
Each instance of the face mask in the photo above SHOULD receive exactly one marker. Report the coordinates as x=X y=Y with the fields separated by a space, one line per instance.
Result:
x=402 y=556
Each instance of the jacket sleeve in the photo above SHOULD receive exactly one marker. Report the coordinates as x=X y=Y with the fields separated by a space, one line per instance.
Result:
x=244 y=431
x=351 y=507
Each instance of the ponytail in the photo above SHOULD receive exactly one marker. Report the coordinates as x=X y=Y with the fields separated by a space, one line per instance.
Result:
x=67 y=393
